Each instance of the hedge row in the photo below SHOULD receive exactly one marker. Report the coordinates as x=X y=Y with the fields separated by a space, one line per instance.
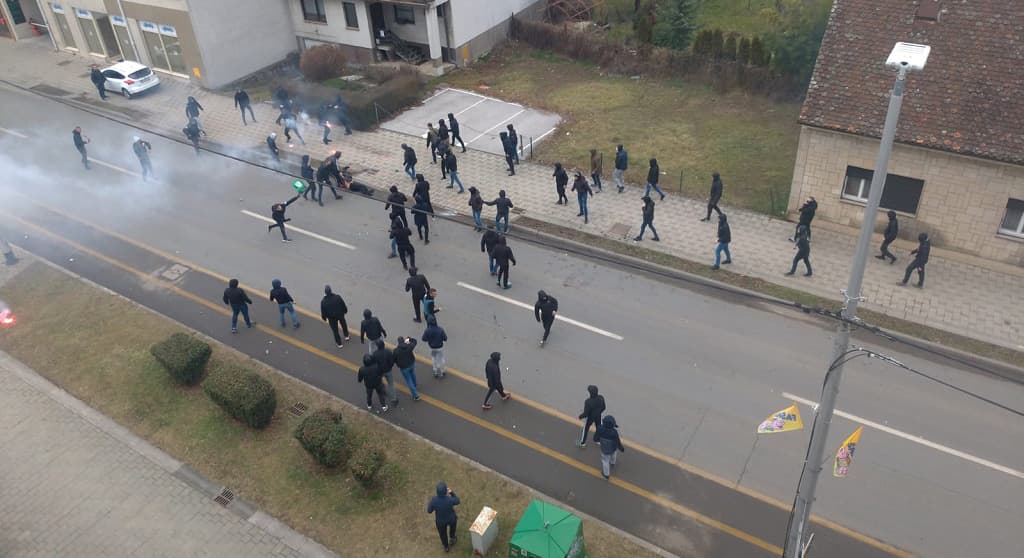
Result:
x=243 y=394
x=183 y=356
x=322 y=434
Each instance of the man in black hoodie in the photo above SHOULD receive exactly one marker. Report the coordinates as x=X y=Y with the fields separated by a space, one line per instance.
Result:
x=621 y=164
x=561 y=180
x=807 y=211
x=510 y=152
x=401 y=236
x=648 y=216
x=405 y=359
x=371 y=328
x=97 y=79
x=453 y=125
x=653 y=175
x=418 y=285
x=502 y=255
x=443 y=508
x=924 y=247
x=285 y=302
x=502 y=206
x=545 y=310
x=328 y=168
x=396 y=203
x=243 y=103
x=487 y=243
x=803 y=250
x=386 y=361
x=592 y=409
x=891 y=231
x=277 y=214
x=332 y=311
x=79 y=141
x=409 y=161
x=493 y=371
x=608 y=436
x=714 y=196
x=239 y=302
x=724 y=238
x=372 y=379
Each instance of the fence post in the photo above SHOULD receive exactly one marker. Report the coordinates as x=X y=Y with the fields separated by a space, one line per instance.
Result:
x=771 y=201
x=531 y=147
x=680 y=181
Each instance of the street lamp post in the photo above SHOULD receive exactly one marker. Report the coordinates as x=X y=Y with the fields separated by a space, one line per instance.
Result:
x=905 y=57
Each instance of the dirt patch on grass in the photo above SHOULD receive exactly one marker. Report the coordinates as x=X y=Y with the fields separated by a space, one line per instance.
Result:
x=689 y=128
x=96 y=346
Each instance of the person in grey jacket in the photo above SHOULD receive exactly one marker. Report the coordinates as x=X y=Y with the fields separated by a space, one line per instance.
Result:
x=607 y=435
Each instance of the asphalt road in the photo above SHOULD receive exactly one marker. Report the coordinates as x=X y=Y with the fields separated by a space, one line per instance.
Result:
x=692 y=376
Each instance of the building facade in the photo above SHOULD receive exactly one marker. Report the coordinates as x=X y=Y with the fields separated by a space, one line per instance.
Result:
x=957 y=167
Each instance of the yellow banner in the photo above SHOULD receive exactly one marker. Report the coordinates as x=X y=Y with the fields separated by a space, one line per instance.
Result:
x=782 y=421
x=844 y=456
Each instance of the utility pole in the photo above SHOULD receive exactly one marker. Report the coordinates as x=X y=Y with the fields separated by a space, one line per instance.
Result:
x=905 y=57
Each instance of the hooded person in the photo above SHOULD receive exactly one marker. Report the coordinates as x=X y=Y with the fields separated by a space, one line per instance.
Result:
x=371 y=328
x=583 y=193
x=386 y=361
x=715 y=196
x=621 y=164
x=510 y=152
x=502 y=255
x=807 y=211
x=592 y=409
x=396 y=203
x=332 y=311
x=192 y=108
x=453 y=126
x=476 y=205
x=418 y=285
x=803 y=250
x=513 y=140
x=100 y=81
x=653 y=175
x=545 y=310
x=409 y=161
x=493 y=372
x=277 y=214
x=502 y=205
x=401 y=235
x=435 y=337
x=310 y=175
x=422 y=190
x=596 y=168
x=561 y=181
x=284 y=301
x=607 y=435
x=405 y=359
x=372 y=379
x=924 y=247
x=648 y=219
x=724 y=238
x=243 y=103
x=443 y=507
x=892 y=230
x=488 y=241
x=420 y=213
x=239 y=302
x=432 y=139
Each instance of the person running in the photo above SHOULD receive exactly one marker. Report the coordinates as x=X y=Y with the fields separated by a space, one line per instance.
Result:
x=803 y=250
x=807 y=211
x=493 y=372
x=561 y=181
x=435 y=337
x=430 y=307
x=80 y=141
x=418 y=285
x=310 y=175
x=607 y=435
x=724 y=238
x=510 y=152
x=141 y=148
x=409 y=161
x=442 y=154
x=100 y=81
x=373 y=380
x=422 y=190
x=193 y=132
x=239 y=302
x=386 y=361
x=653 y=175
x=445 y=519
x=243 y=104
x=292 y=125
x=476 y=206
x=502 y=255
x=332 y=311
x=275 y=151
x=583 y=193
x=420 y=212
x=596 y=167
x=277 y=214
x=328 y=168
x=396 y=203
x=513 y=140
x=545 y=310
x=892 y=230
x=592 y=409
x=621 y=164
x=401 y=235
x=502 y=206
x=488 y=241
x=371 y=328
x=648 y=220
x=453 y=171
x=432 y=142
x=192 y=109
x=341 y=113
x=453 y=125
x=284 y=301
x=924 y=247
x=405 y=359
x=324 y=118
x=714 y=196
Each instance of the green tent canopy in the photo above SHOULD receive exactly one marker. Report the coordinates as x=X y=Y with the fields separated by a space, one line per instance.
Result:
x=547 y=531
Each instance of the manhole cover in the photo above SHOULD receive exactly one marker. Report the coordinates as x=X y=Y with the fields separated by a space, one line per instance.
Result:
x=620 y=230
x=297 y=409
x=225 y=497
x=174 y=272
x=49 y=90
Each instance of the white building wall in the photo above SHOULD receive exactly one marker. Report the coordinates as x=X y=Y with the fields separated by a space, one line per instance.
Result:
x=470 y=18
x=334 y=30
x=236 y=39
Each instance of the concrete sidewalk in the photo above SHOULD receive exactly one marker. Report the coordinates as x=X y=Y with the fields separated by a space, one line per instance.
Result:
x=963 y=294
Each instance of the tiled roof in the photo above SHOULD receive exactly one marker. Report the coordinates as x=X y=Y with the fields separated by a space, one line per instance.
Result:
x=969 y=99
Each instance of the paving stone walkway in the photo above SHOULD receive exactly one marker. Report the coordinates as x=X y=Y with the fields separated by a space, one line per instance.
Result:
x=963 y=294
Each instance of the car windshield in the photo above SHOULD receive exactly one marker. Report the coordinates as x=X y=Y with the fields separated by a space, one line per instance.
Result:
x=140 y=73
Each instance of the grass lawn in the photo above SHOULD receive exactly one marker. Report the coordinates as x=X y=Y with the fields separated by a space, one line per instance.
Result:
x=690 y=129
x=103 y=358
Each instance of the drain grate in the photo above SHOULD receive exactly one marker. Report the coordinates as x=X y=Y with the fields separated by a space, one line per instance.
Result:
x=297 y=409
x=225 y=497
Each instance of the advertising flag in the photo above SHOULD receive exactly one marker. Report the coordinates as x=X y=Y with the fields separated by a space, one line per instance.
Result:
x=845 y=454
x=782 y=421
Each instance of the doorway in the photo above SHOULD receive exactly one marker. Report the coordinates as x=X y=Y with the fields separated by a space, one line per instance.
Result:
x=65 y=29
x=89 y=31
x=107 y=36
x=124 y=40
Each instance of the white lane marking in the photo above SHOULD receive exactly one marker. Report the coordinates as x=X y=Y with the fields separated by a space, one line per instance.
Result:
x=514 y=302
x=912 y=438
x=496 y=125
x=538 y=138
x=13 y=133
x=441 y=92
x=301 y=231
x=471 y=106
x=121 y=169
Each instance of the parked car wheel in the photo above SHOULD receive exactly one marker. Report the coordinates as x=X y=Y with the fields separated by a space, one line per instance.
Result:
x=127 y=94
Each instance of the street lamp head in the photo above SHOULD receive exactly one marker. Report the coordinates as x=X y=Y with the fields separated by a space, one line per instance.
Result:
x=909 y=56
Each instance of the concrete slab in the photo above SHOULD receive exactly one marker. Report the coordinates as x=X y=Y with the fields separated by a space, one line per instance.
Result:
x=481 y=119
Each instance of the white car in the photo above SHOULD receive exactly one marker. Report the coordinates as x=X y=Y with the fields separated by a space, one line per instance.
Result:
x=130 y=78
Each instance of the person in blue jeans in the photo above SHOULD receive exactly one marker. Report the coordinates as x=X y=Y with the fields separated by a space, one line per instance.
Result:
x=653 y=174
x=476 y=205
x=648 y=216
x=406 y=361
x=724 y=237
x=583 y=192
x=502 y=206
x=487 y=243
x=285 y=302
x=239 y=302
x=453 y=171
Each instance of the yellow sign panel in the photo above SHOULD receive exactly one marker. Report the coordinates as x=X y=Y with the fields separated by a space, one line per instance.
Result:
x=782 y=421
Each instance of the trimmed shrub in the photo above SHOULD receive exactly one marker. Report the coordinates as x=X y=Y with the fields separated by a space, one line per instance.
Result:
x=743 y=51
x=729 y=50
x=183 y=356
x=757 y=53
x=717 y=43
x=242 y=393
x=366 y=464
x=322 y=62
x=322 y=434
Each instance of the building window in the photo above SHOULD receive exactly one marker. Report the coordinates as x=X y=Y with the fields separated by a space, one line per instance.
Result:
x=901 y=193
x=313 y=10
x=1013 y=220
x=90 y=32
x=404 y=14
x=163 y=46
x=62 y=23
x=17 y=15
x=351 y=19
